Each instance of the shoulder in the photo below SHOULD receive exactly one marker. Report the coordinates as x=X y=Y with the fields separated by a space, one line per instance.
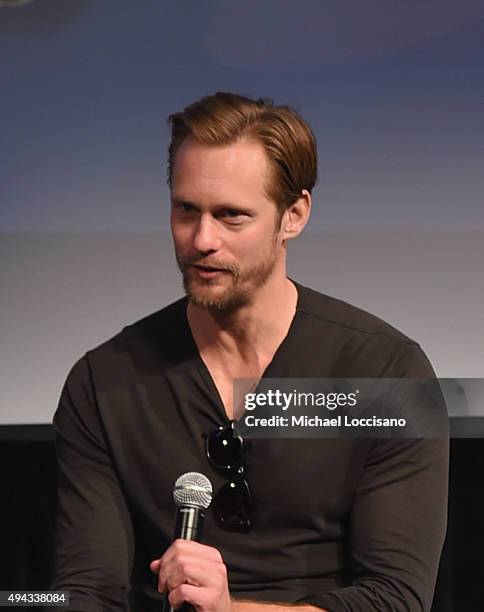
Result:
x=154 y=330
x=364 y=343
x=162 y=337
x=347 y=318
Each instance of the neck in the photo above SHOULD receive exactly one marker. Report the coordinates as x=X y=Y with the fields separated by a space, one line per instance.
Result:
x=253 y=330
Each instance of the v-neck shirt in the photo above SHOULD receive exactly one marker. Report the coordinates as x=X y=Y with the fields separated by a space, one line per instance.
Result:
x=267 y=372
x=336 y=521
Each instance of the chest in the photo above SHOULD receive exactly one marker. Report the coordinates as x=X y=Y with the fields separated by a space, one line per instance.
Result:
x=223 y=375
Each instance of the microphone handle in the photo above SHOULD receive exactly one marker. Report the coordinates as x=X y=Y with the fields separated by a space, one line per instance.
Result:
x=188 y=526
x=188 y=523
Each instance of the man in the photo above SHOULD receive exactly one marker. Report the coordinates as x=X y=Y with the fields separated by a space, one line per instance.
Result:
x=327 y=524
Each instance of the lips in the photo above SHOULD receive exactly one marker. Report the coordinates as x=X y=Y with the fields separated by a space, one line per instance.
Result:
x=208 y=272
x=208 y=268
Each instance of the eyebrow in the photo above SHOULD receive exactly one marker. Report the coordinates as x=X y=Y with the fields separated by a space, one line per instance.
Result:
x=220 y=206
x=182 y=201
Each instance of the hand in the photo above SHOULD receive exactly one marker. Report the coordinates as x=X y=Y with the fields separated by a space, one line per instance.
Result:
x=195 y=574
x=265 y=606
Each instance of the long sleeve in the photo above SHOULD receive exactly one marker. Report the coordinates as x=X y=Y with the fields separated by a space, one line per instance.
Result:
x=94 y=536
x=133 y=416
x=398 y=519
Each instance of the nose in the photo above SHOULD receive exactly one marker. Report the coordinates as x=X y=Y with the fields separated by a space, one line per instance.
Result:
x=206 y=238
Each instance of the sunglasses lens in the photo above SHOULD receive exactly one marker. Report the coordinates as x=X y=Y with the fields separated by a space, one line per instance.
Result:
x=224 y=448
x=232 y=506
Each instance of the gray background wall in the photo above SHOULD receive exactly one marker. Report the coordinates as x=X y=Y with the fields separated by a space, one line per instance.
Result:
x=392 y=88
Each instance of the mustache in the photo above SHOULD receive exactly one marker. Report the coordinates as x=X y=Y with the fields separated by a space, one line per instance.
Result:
x=209 y=265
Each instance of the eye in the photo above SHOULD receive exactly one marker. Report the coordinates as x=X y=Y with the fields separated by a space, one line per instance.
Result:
x=184 y=208
x=231 y=215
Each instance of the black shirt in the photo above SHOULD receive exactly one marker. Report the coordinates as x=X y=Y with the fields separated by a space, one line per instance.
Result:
x=344 y=524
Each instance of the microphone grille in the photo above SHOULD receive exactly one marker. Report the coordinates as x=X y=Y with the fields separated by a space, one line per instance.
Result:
x=193 y=489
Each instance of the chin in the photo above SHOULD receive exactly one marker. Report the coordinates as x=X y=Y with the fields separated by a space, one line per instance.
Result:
x=215 y=297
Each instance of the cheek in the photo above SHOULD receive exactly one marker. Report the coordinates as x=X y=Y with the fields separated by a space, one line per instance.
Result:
x=255 y=243
x=181 y=235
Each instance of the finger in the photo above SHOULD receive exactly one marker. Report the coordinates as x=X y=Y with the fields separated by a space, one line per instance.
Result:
x=207 y=575
x=194 y=572
x=172 y=578
x=187 y=593
x=191 y=548
x=179 y=555
x=177 y=565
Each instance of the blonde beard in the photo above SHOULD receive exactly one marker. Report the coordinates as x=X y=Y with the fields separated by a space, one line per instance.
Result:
x=237 y=294
x=244 y=282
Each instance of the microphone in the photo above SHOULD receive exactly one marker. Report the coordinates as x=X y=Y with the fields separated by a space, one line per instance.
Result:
x=192 y=494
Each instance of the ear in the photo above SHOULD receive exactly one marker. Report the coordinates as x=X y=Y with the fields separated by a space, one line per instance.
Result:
x=296 y=216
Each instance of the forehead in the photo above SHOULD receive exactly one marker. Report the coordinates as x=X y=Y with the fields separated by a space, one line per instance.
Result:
x=203 y=171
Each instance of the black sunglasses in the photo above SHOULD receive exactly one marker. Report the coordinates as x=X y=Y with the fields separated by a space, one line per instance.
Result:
x=232 y=504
